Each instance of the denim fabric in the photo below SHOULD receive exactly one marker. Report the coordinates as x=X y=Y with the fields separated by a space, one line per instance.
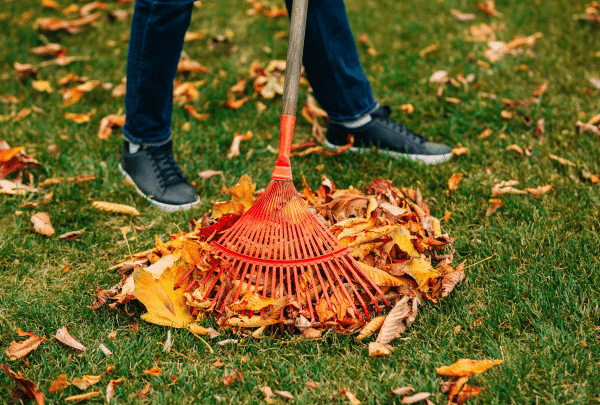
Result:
x=156 y=41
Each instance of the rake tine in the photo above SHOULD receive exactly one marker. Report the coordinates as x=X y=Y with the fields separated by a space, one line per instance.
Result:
x=351 y=265
x=218 y=276
x=362 y=303
x=189 y=287
x=241 y=279
x=332 y=284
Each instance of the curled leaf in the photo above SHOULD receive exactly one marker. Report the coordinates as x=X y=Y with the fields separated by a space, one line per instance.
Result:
x=63 y=336
x=373 y=326
x=18 y=350
x=464 y=367
x=115 y=208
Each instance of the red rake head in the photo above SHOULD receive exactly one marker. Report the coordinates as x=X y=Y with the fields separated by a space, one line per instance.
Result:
x=279 y=248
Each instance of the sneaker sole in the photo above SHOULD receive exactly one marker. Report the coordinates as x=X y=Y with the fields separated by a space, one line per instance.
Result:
x=427 y=159
x=163 y=206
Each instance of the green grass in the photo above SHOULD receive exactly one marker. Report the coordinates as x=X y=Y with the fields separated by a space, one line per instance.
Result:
x=532 y=304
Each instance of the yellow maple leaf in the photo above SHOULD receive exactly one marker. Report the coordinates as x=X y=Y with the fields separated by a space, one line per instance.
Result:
x=465 y=367
x=420 y=270
x=380 y=277
x=165 y=305
x=242 y=198
x=255 y=321
x=252 y=302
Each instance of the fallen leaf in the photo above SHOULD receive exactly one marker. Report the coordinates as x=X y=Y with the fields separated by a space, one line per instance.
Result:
x=165 y=305
x=266 y=390
x=105 y=350
x=413 y=399
x=403 y=391
x=454 y=181
x=312 y=384
x=460 y=151
x=115 y=208
x=27 y=386
x=41 y=224
x=110 y=389
x=234 y=150
x=18 y=350
x=284 y=394
x=428 y=49
x=80 y=118
x=462 y=16
x=197 y=329
x=59 y=384
x=562 y=161
x=207 y=174
x=42 y=86
x=153 y=371
x=229 y=379
x=371 y=327
x=142 y=394
x=351 y=397
x=440 y=76
x=467 y=391
x=235 y=104
x=539 y=190
x=86 y=381
x=378 y=349
x=393 y=325
x=311 y=333
x=63 y=336
x=589 y=176
x=515 y=148
x=82 y=397
x=189 y=65
x=14 y=159
x=192 y=111
x=465 y=367
x=71 y=235
x=108 y=122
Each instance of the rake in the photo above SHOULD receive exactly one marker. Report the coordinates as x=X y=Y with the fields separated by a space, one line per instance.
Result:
x=279 y=248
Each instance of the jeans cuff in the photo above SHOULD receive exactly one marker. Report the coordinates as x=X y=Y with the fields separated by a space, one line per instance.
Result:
x=146 y=142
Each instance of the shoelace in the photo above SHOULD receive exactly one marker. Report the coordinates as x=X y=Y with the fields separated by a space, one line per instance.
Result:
x=384 y=115
x=165 y=166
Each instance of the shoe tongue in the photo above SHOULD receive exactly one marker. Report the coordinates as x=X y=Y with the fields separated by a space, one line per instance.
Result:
x=134 y=147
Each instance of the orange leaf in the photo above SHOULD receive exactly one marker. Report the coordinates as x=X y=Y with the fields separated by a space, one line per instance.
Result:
x=235 y=104
x=86 y=381
x=192 y=111
x=27 y=386
x=81 y=397
x=465 y=367
x=115 y=208
x=18 y=350
x=190 y=65
x=80 y=118
x=454 y=181
x=59 y=384
x=153 y=371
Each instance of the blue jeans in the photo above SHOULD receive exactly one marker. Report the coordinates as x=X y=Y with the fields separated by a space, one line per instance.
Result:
x=157 y=34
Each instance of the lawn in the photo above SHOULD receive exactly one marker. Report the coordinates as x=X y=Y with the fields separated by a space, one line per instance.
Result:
x=531 y=297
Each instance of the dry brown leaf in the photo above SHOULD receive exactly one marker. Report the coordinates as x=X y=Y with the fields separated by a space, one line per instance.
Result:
x=393 y=325
x=59 y=384
x=234 y=150
x=440 y=76
x=63 y=336
x=110 y=389
x=589 y=176
x=86 y=381
x=454 y=181
x=27 y=386
x=80 y=118
x=115 y=208
x=153 y=371
x=229 y=379
x=351 y=397
x=464 y=367
x=14 y=159
x=378 y=349
x=562 y=161
x=380 y=277
x=207 y=174
x=189 y=65
x=192 y=111
x=539 y=190
x=18 y=350
x=41 y=224
x=450 y=280
x=71 y=235
x=235 y=104
x=285 y=394
x=311 y=333
x=403 y=391
x=108 y=122
x=312 y=384
x=83 y=397
x=505 y=187
x=197 y=329
x=413 y=399
x=42 y=86
x=462 y=16
x=580 y=126
x=371 y=327
x=266 y=390
x=515 y=148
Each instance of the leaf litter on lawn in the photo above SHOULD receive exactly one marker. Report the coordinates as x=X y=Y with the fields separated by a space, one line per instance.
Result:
x=390 y=230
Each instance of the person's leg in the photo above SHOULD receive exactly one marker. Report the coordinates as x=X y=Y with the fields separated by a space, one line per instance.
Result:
x=331 y=62
x=155 y=44
x=342 y=89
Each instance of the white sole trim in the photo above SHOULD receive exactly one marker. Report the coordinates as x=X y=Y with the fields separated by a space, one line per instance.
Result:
x=158 y=204
x=427 y=159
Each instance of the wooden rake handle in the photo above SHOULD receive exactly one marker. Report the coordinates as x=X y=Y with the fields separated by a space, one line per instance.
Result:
x=291 y=86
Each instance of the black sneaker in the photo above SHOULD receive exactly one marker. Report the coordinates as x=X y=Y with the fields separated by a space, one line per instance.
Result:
x=156 y=177
x=393 y=139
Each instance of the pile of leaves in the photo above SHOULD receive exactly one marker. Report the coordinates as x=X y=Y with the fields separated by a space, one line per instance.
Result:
x=390 y=230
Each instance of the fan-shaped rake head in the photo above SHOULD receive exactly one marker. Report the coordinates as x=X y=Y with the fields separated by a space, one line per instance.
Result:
x=279 y=248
